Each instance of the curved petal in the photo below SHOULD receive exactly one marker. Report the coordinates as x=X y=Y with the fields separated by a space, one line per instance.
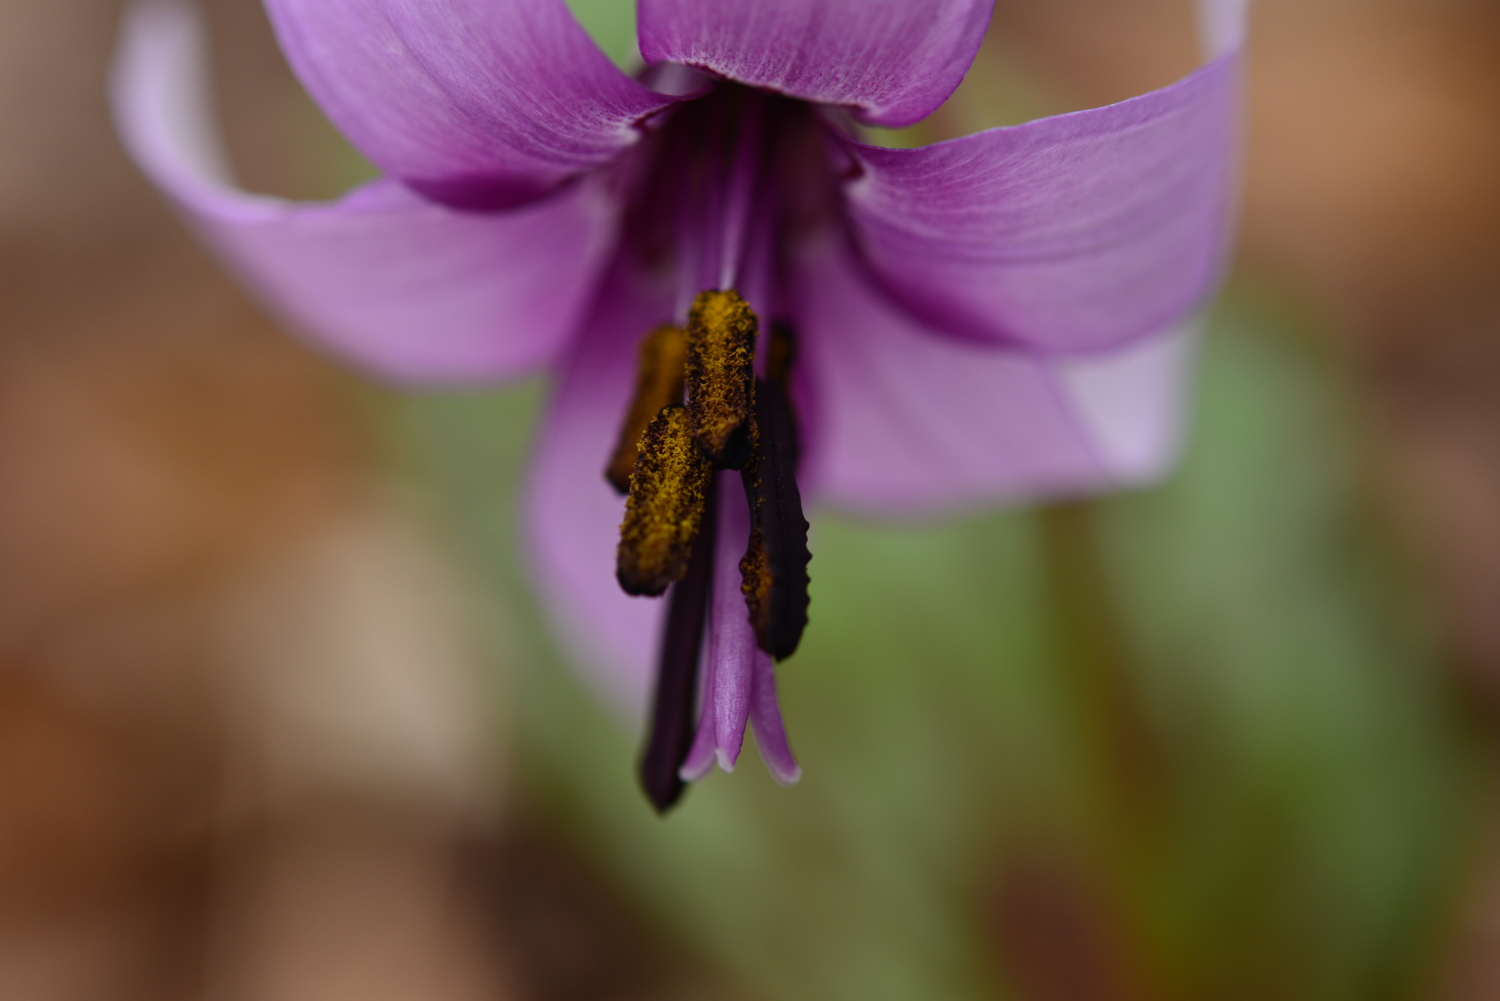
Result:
x=396 y=284
x=905 y=422
x=1068 y=234
x=1132 y=402
x=476 y=103
x=891 y=61
x=572 y=515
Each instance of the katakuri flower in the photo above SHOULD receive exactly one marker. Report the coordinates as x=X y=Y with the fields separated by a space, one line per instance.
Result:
x=742 y=302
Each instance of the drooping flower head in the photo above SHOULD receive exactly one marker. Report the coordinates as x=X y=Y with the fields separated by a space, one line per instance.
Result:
x=744 y=304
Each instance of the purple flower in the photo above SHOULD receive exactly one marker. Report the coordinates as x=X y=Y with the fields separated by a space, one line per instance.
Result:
x=718 y=270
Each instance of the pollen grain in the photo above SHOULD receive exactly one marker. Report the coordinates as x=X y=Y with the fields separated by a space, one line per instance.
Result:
x=665 y=508
x=721 y=374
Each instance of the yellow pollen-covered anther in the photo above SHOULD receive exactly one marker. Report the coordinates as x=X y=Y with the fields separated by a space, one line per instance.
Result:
x=721 y=374
x=660 y=374
x=665 y=509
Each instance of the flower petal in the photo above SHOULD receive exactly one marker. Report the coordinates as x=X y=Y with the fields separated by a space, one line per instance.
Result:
x=1132 y=402
x=901 y=421
x=891 y=61
x=1067 y=234
x=572 y=515
x=401 y=286
x=477 y=103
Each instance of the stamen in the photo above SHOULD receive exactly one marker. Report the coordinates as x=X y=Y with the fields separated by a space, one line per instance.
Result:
x=721 y=375
x=672 y=729
x=660 y=374
x=665 y=508
x=774 y=570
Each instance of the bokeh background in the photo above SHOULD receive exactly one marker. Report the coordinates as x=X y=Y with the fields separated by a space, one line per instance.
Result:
x=278 y=721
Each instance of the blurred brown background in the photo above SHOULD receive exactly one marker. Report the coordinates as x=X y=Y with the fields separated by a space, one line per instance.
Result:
x=246 y=748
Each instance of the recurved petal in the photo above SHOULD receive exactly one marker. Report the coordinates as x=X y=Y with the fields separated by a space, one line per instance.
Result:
x=572 y=514
x=905 y=422
x=476 y=103
x=891 y=61
x=401 y=286
x=1069 y=234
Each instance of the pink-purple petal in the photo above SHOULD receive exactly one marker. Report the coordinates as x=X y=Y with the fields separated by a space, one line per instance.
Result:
x=1068 y=234
x=572 y=516
x=476 y=103
x=891 y=61
x=907 y=422
x=1132 y=402
x=400 y=286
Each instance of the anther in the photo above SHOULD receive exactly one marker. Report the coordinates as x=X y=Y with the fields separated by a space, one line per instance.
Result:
x=665 y=507
x=660 y=371
x=774 y=570
x=671 y=734
x=721 y=375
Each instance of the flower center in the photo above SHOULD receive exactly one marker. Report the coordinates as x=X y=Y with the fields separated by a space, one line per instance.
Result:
x=732 y=419
x=716 y=192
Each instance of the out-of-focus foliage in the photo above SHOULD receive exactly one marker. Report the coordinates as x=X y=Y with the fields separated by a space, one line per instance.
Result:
x=1203 y=713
